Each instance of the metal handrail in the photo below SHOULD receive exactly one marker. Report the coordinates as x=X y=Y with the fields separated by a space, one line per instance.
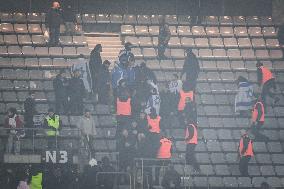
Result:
x=117 y=173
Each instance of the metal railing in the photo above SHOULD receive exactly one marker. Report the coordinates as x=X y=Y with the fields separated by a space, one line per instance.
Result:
x=115 y=177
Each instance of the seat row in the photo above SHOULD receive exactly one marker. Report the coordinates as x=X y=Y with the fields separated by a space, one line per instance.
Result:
x=225 y=31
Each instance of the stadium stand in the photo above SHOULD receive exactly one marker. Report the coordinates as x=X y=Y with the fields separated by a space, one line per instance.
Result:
x=226 y=47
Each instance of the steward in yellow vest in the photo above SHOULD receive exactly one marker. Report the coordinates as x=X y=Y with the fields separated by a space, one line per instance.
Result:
x=52 y=122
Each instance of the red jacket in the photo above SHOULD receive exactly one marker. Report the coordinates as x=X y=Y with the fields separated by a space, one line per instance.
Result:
x=19 y=123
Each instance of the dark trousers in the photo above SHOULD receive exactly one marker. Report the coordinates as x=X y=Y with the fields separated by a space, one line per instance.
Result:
x=255 y=131
x=54 y=33
x=76 y=105
x=161 y=49
x=190 y=156
x=103 y=95
x=29 y=123
x=52 y=143
x=61 y=105
x=266 y=89
x=243 y=165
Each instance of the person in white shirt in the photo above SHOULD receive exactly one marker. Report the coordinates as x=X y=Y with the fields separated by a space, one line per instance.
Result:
x=175 y=85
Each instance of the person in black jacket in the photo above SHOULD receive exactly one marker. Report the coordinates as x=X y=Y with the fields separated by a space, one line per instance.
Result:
x=53 y=21
x=163 y=38
x=60 y=84
x=171 y=179
x=76 y=92
x=104 y=83
x=30 y=111
x=95 y=65
x=69 y=20
x=106 y=181
x=190 y=68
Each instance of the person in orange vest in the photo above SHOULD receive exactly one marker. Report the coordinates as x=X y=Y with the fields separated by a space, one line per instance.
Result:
x=266 y=81
x=123 y=106
x=165 y=150
x=257 y=119
x=191 y=140
x=245 y=152
x=186 y=94
x=154 y=121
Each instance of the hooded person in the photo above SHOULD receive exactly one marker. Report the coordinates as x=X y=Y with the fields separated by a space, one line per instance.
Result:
x=104 y=81
x=95 y=65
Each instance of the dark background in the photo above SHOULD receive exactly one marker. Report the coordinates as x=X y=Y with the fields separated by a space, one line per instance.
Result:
x=179 y=7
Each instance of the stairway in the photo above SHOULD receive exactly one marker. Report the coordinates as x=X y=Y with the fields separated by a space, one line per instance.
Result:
x=110 y=42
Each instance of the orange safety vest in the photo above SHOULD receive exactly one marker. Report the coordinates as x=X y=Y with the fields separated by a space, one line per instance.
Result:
x=182 y=100
x=123 y=108
x=165 y=149
x=154 y=124
x=266 y=74
x=249 y=151
x=193 y=140
x=255 y=112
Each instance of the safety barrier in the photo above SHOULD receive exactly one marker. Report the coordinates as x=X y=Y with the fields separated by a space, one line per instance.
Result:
x=115 y=174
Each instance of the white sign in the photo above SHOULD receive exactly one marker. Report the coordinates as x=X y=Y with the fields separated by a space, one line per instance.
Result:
x=56 y=157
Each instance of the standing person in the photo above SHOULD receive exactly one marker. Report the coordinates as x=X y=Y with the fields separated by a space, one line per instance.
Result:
x=36 y=178
x=186 y=94
x=104 y=83
x=52 y=123
x=23 y=182
x=266 y=81
x=147 y=73
x=13 y=123
x=245 y=153
x=30 y=111
x=86 y=124
x=171 y=179
x=127 y=49
x=257 y=119
x=175 y=85
x=95 y=65
x=60 y=85
x=89 y=179
x=191 y=140
x=77 y=93
x=106 y=181
x=53 y=21
x=191 y=68
x=154 y=121
x=69 y=17
x=163 y=38
x=154 y=101
x=280 y=36
x=244 y=97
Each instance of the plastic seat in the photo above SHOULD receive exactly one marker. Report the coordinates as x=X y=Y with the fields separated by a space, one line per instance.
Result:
x=69 y=51
x=240 y=31
x=219 y=53
x=244 y=43
x=133 y=40
x=116 y=18
x=272 y=43
x=20 y=28
x=253 y=20
x=154 y=30
x=149 y=52
x=201 y=42
x=254 y=31
x=79 y=40
x=174 y=42
x=31 y=62
x=11 y=39
x=222 y=170
x=173 y=30
x=187 y=42
x=89 y=18
x=205 y=53
x=184 y=30
x=137 y=52
x=55 y=51
x=34 y=17
x=143 y=41
x=141 y=30
x=18 y=62
x=66 y=40
x=266 y=21
x=55 y=62
x=177 y=53
x=14 y=50
x=171 y=19
x=209 y=65
x=144 y=19
x=226 y=20
x=226 y=31
x=9 y=96
x=3 y=50
x=212 y=31
x=276 y=54
x=129 y=19
x=155 y=19
x=247 y=54
x=102 y=18
x=213 y=76
x=127 y=29
x=41 y=51
x=36 y=74
x=24 y=40
x=216 y=42
x=233 y=53
x=213 y=146
x=230 y=42
x=38 y=40
x=258 y=42
x=19 y=17
x=198 y=30
x=6 y=28
x=28 y=51
x=269 y=31
x=6 y=17
x=184 y=20
x=212 y=20
x=83 y=50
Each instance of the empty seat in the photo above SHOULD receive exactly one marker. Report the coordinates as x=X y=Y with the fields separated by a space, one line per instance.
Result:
x=133 y=40
x=173 y=30
x=89 y=18
x=144 y=19
x=226 y=31
x=219 y=53
x=127 y=29
x=201 y=42
x=212 y=20
x=233 y=53
x=14 y=50
x=216 y=42
x=247 y=54
x=116 y=18
x=268 y=31
x=31 y=62
x=266 y=20
x=11 y=39
x=174 y=42
x=3 y=51
x=19 y=17
x=258 y=42
x=240 y=31
x=276 y=54
x=38 y=39
x=212 y=31
x=55 y=62
x=154 y=30
x=24 y=40
x=66 y=40
x=198 y=30
x=102 y=18
x=252 y=20
x=141 y=30
x=184 y=19
x=187 y=42
x=183 y=30
x=272 y=43
x=6 y=28
x=205 y=53
x=143 y=41
x=69 y=51
x=171 y=19
x=226 y=20
x=244 y=42
x=17 y=61
x=6 y=17
x=254 y=31
x=149 y=52
x=20 y=28
x=262 y=54
x=129 y=19
x=79 y=40
x=83 y=50
x=230 y=42
x=177 y=53
x=34 y=17
x=41 y=51
x=34 y=28
x=137 y=52
x=28 y=51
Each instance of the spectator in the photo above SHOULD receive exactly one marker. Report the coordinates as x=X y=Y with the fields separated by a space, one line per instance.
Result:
x=163 y=38
x=127 y=49
x=143 y=146
x=95 y=66
x=60 y=85
x=30 y=111
x=165 y=150
x=53 y=21
x=52 y=123
x=171 y=179
x=13 y=123
x=266 y=81
x=36 y=178
x=147 y=73
x=90 y=175
x=175 y=85
x=104 y=83
x=257 y=119
x=245 y=153
x=106 y=181
x=23 y=182
x=191 y=140
x=69 y=16
x=142 y=123
x=154 y=101
x=87 y=126
x=54 y=178
x=77 y=93
x=186 y=94
x=244 y=97
x=190 y=68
